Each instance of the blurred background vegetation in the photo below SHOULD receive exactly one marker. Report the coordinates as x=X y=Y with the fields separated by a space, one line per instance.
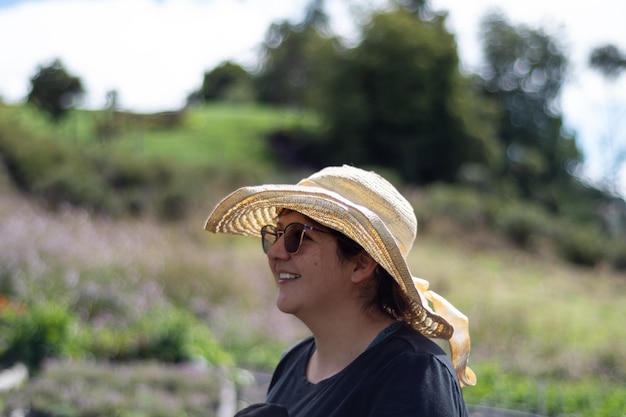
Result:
x=117 y=302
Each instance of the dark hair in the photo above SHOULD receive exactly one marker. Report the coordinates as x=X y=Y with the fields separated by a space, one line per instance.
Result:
x=384 y=293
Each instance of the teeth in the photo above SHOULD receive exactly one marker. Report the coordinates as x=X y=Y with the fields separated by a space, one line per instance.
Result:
x=285 y=275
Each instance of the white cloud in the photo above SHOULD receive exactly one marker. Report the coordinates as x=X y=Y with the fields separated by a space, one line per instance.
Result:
x=154 y=54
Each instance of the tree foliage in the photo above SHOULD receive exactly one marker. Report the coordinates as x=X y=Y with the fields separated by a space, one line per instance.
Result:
x=226 y=82
x=54 y=90
x=397 y=100
x=294 y=59
x=524 y=71
x=609 y=60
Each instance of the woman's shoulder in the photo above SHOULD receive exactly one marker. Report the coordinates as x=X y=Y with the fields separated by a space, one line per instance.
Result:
x=407 y=348
x=413 y=340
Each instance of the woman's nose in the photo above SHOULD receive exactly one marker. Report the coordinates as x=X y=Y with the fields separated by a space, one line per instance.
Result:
x=277 y=250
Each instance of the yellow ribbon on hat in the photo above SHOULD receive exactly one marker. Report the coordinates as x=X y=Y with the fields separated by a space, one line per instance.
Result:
x=460 y=340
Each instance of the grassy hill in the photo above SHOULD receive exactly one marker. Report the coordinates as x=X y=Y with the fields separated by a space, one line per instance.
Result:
x=545 y=334
x=217 y=135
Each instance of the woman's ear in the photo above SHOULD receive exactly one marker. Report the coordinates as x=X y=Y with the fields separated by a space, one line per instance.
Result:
x=364 y=267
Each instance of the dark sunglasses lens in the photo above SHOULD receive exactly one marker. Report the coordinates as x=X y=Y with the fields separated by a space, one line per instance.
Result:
x=293 y=237
x=268 y=237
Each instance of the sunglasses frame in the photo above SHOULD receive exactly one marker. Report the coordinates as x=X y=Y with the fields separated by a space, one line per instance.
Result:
x=271 y=230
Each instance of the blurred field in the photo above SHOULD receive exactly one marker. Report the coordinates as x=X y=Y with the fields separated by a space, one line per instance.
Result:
x=546 y=335
x=532 y=317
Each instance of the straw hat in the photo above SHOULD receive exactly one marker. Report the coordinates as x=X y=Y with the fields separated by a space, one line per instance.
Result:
x=368 y=209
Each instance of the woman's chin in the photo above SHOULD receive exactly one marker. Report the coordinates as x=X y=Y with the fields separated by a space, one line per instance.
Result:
x=284 y=305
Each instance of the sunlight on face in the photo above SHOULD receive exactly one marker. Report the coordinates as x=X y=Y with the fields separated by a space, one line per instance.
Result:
x=312 y=281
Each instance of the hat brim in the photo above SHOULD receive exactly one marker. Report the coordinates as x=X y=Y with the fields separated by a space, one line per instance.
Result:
x=247 y=209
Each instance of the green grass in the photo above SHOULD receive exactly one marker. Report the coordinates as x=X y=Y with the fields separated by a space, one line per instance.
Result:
x=536 y=315
x=219 y=135
x=592 y=397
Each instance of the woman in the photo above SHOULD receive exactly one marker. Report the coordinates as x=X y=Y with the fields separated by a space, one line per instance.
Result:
x=337 y=244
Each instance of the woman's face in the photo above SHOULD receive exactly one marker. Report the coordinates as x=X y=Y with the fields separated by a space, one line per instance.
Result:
x=314 y=280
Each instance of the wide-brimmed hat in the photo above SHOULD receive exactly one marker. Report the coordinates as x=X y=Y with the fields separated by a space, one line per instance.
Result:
x=368 y=209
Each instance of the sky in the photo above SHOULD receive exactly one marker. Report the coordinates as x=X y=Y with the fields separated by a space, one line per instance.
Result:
x=155 y=52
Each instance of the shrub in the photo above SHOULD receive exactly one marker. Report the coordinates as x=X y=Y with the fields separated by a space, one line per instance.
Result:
x=580 y=245
x=33 y=333
x=75 y=184
x=257 y=353
x=164 y=334
x=113 y=183
x=519 y=222
x=464 y=206
x=617 y=253
x=55 y=172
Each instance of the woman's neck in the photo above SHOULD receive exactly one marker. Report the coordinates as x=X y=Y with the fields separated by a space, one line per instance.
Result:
x=339 y=342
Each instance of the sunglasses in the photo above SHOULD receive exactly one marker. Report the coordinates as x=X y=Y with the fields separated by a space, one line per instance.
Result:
x=293 y=235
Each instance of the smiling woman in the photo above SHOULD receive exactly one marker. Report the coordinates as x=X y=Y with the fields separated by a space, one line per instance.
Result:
x=337 y=244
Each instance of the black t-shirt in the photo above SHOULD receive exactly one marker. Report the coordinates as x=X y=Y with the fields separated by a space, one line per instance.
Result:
x=405 y=375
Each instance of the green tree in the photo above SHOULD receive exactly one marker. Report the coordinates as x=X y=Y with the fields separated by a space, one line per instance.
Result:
x=54 y=90
x=295 y=58
x=227 y=82
x=397 y=100
x=609 y=60
x=524 y=71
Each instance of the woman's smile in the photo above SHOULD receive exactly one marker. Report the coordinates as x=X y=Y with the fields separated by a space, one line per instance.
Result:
x=286 y=276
